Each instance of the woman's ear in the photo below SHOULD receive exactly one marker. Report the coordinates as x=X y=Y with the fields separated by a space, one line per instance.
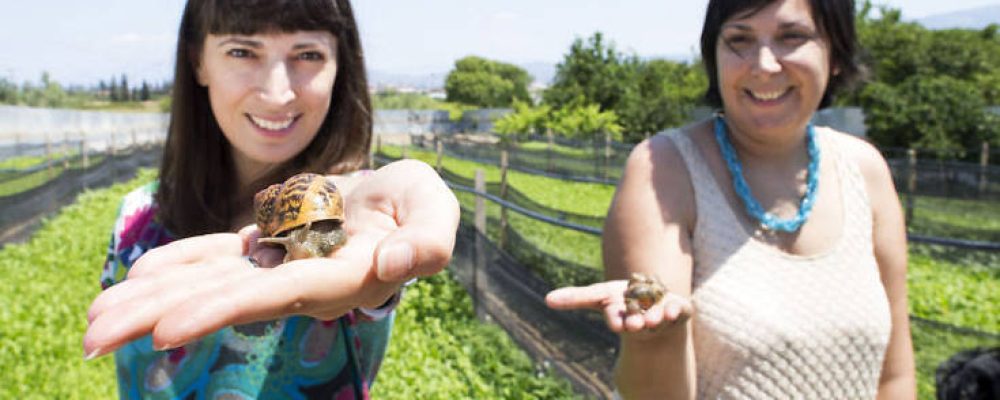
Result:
x=200 y=74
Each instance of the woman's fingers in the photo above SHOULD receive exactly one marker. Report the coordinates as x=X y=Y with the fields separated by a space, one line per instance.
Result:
x=314 y=287
x=131 y=309
x=188 y=251
x=423 y=218
x=596 y=296
x=609 y=297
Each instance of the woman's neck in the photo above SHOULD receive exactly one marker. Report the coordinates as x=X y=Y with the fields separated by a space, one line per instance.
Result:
x=774 y=148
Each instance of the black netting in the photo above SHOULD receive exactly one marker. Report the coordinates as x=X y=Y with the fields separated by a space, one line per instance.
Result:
x=47 y=190
x=577 y=344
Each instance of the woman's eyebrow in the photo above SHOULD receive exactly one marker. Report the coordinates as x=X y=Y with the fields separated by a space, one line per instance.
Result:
x=306 y=45
x=737 y=26
x=242 y=42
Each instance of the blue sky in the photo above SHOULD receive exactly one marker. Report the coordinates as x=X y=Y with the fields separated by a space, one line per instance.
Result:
x=83 y=41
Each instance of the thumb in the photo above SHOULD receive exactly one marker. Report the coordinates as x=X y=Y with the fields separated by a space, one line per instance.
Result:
x=406 y=254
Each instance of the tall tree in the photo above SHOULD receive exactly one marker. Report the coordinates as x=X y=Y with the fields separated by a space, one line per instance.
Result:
x=592 y=72
x=646 y=95
x=486 y=83
x=125 y=92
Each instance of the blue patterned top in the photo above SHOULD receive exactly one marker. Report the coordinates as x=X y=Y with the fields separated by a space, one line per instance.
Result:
x=296 y=357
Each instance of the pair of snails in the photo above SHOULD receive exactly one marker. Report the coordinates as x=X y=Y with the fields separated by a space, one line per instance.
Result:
x=305 y=214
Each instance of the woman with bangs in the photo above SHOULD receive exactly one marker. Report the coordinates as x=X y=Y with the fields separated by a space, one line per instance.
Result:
x=264 y=90
x=782 y=244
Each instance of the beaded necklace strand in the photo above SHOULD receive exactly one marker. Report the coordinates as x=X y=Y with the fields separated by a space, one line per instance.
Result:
x=768 y=222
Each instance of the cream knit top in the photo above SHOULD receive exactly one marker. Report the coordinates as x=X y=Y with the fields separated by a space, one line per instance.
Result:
x=772 y=325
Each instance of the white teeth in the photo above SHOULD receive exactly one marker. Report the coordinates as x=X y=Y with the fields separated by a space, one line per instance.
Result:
x=272 y=125
x=767 y=95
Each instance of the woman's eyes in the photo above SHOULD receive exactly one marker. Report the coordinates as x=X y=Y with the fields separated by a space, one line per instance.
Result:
x=795 y=37
x=743 y=42
x=239 y=53
x=304 y=56
x=311 y=56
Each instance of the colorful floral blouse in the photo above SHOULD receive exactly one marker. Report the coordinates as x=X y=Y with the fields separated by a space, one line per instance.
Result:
x=296 y=357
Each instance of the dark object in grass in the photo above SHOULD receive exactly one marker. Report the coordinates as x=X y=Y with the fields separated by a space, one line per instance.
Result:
x=970 y=375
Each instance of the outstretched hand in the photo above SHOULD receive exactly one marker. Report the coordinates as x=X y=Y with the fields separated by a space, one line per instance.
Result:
x=401 y=223
x=609 y=298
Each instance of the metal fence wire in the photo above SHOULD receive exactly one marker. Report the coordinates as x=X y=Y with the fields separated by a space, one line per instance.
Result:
x=928 y=186
x=27 y=195
x=508 y=286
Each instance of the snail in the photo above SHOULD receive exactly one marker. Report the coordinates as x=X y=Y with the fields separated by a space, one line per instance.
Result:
x=305 y=214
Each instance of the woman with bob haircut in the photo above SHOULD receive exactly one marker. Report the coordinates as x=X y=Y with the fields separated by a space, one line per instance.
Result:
x=781 y=244
x=264 y=90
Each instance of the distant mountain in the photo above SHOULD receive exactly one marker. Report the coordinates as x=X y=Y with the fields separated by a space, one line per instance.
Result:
x=542 y=72
x=974 y=18
x=379 y=79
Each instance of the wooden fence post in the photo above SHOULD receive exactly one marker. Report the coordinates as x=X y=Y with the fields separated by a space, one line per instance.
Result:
x=607 y=154
x=911 y=183
x=480 y=221
x=17 y=144
x=65 y=150
x=549 y=149
x=83 y=150
x=504 y=163
x=440 y=152
x=984 y=163
x=112 y=152
x=48 y=156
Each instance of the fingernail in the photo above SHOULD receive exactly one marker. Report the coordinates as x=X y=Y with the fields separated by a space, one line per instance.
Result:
x=163 y=347
x=92 y=355
x=395 y=261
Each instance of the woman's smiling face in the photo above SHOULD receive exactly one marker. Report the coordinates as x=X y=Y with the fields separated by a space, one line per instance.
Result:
x=270 y=93
x=773 y=67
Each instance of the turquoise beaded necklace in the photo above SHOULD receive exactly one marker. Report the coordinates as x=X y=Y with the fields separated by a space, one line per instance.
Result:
x=767 y=220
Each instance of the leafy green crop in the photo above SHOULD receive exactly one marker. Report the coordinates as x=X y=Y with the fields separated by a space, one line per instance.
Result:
x=31 y=161
x=953 y=286
x=438 y=349
x=576 y=197
x=48 y=284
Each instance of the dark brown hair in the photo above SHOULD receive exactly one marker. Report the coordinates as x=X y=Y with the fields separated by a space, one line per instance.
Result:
x=833 y=18
x=198 y=182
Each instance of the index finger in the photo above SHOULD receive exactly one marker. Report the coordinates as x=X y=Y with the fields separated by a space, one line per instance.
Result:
x=190 y=250
x=596 y=296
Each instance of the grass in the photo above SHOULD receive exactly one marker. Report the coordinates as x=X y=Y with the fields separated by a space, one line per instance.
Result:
x=438 y=350
x=577 y=197
x=558 y=149
x=25 y=162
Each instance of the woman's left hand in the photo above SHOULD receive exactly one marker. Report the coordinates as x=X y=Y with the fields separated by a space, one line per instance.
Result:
x=401 y=223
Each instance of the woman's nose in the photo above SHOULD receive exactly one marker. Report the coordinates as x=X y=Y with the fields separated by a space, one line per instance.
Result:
x=766 y=60
x=276 y=86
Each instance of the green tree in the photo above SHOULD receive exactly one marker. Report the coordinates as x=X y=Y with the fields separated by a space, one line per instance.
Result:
x=525 y=120
x=9 y=92
x=941 y=113
x=659 y=94
x=647 y=95
x=486 y=83
x=929 y=88
x=591 y=72
x=585 y=121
